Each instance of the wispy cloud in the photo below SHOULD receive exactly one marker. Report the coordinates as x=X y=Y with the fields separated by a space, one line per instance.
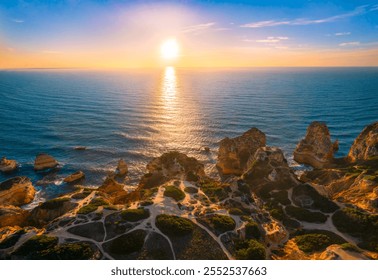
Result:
x=342 y=33
x=348 y=44
x=18 y=20
x=303 y=21
x=374 y=8
x=198 y=27
x=272 y=39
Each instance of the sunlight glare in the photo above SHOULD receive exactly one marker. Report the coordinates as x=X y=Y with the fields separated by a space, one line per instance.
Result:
x=169 y=49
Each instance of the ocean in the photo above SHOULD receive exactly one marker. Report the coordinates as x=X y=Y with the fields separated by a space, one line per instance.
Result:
x=140 y=114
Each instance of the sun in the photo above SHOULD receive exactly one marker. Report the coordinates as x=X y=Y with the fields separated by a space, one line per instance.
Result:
x=170 y=49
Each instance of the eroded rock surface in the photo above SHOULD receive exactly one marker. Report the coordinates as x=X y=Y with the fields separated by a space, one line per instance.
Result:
x=365 y=146
x=16 y=191
x=44 y=162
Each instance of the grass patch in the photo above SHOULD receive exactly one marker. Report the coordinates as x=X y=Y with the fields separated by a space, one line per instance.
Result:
x=36 y=244
x=236 y=212
x=128 y=243
x=92 y=206
x=175 y=193
x=134 y=215
x=250 y=250
x=68 y=251
x=312 y=242
x=350 y=247
x=305 y=215
x=173 y=225
x=222 y=223
x=252 y=230
x=214 y=190
x=281 y=197
x=191 y=190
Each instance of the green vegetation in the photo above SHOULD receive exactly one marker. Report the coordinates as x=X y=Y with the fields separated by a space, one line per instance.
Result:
x=250 y=250
x=349 y=247
x=222 y=223
x=235 y=211
x=252 y=230
x=92 y=206
x=127 y=243
x=68 y=251
x=35 y=245
x=134 y=215
x=173 y=225
x=174 y=192
x=313 y=242
x=214 y=190
x=191 y=190
x=146 y=202
x=192 y=177
x=359 y=224
x=54 y=203
x=275 y=210
x=305 y=215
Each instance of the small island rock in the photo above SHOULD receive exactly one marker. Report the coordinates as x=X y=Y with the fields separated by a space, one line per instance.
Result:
x=74 y=177
x=16 y=191
x=122 y=168
x=365 y=146
x=44 y=161
x=7 y=165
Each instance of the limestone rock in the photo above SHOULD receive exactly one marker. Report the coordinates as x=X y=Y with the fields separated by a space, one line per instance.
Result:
x=169 y=166
x=44 y=161
x=269 y=170
x=51 y=209
x=365 y=146
x=12 y=216
x=7 y=165
x=16 y=191
x=74 y=177
x=316 y=149
x=234 y=153
x=122 y=168
x=115 y=191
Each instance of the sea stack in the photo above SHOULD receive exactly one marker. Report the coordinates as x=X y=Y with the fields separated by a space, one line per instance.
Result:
x=74 y=177
x=365 y=146
x=234 y=153
x=122 y=168
x=44 y=161
x=316 y=149
x=7 y=165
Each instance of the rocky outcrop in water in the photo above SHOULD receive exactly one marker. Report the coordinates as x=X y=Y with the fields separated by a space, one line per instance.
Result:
x=44 y=162
x=122 y=168
x=74 y=177
x=366 y=144
x=234 y=153
x=316 y=149
x=7 y=165
x=172 y=165
x=16 y=191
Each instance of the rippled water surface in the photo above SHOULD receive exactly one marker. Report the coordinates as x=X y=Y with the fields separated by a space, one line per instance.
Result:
x=137 y=115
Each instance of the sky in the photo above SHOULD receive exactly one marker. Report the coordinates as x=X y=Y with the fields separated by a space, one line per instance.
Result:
x=129 y=34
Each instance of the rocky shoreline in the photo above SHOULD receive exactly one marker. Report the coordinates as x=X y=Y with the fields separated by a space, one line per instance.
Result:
x=259 y=209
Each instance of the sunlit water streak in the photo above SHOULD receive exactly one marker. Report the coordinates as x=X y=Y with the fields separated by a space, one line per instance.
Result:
x=137 y=115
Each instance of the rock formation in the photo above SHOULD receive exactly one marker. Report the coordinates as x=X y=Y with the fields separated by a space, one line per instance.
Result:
x=316 y=149
x=12 y=216
x=234 y=153
x=268 y=169
x=115 y=191
x=171 y=165
x=44 y=161
x=7 y=165
x=74 y=177
x=122 y=168
x=16 y=191
x=365 y=146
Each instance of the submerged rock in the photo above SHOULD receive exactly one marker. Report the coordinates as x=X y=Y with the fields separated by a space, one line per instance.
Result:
x=74 y=177
x=234 y=153
x=16 y=191
x=7 y=165
x=316 y=149
x=365 y=146
x=122 y=168
x=44 y=161
x=172 y=165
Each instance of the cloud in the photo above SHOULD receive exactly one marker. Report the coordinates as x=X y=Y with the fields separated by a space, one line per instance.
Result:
x=18 y=20
x=272 y=39
x=342 y=33
x=198 y=27
x=302 y=21
x=347 y=44
x=374 y=8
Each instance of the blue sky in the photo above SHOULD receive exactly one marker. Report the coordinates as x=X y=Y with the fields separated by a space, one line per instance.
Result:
x=66 y=29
